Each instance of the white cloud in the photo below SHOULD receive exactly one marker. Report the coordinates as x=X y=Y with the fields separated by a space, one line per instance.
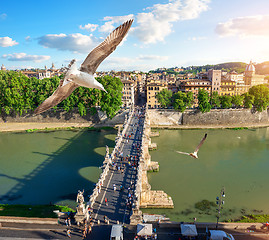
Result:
x=3 y=16
x=118 y=61
x=126 y=61
x=89 y=27
x=25 y=57
x=7 y=42
x=109 y=25
x=75 y=42
x=28 y=38
x=152 y=57
x=155 y=25
x=245 y=26
x=196 y=38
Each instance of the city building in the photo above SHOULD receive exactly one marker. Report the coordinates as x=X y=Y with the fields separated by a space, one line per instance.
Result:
x=194 y=85
x=44 y=73
x=234 y=76
x=227 y=87
x=251 y=78
x=214 y=77
x=128 y=93
x=152 y=89
x=241 y=89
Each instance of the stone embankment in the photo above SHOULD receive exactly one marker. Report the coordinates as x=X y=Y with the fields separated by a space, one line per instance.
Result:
x=216 y=118
x=58 y=119
x=61 y=116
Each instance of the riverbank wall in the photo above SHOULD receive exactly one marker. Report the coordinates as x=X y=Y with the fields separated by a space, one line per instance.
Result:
x=159 y=118
x=216 y=118
x=61 y=116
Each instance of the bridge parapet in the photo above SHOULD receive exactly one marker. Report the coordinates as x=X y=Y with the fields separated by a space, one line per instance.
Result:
x=144 y=196
x=108 y=160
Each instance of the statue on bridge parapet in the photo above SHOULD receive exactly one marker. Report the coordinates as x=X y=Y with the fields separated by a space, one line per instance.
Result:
x=80 y=197
x=119 y=131
x=81 y=213
x=107 y=152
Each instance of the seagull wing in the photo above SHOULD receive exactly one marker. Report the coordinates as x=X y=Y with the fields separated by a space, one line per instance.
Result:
x=200 y=144
x=104 y=49
x=183 y=153
x=62 y=92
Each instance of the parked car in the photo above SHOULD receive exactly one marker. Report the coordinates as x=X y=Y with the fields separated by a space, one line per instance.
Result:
x=219 y=235
x=116 y=232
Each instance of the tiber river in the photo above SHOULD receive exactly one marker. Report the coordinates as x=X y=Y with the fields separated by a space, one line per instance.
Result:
x=39 y=168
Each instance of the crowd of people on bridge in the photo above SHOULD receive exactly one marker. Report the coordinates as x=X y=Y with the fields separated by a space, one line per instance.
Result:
x=130 y=161
x=121 y=163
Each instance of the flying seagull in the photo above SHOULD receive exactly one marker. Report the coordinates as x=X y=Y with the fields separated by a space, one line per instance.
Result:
x=85 y=75
x=194 y=154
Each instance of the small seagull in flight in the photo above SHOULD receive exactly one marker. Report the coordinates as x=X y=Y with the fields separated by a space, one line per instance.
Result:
x=85 y=75
x=194 y=154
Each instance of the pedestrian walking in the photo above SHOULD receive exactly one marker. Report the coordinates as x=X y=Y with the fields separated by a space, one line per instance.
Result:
x=106 y=202
x=85 y=231
x=68 y=232
x=90 y=229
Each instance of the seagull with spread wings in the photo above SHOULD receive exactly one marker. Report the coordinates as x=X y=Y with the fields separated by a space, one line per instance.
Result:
x=85 y=75
x=194 y=154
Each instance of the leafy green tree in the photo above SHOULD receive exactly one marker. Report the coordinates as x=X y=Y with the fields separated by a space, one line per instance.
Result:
x=19 y=94
x=226 y=101
x=182 y=100
x=248 y=100
x=109 y=102
x=261 y=97
x=164 y=97
x=203 y=101
x=215 y=100
x=238 y=100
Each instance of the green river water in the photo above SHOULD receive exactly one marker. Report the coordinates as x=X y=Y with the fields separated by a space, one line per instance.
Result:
x=235 y=159
x=50 y=167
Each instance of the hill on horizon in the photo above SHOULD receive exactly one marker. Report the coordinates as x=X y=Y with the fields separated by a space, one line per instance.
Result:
x=239 y=67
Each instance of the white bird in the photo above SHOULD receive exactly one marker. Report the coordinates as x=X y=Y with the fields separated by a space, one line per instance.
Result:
x=85 y=75
x=194 y=154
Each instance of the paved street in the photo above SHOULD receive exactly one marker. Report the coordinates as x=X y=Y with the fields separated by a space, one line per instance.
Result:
x=37 y=232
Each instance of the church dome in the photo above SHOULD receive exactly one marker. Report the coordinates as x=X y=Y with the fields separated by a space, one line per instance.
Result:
x=53 y=67
x=250 y=67
x=3 y=68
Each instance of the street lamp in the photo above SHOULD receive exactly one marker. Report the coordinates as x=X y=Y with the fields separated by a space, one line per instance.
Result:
x=219 y=203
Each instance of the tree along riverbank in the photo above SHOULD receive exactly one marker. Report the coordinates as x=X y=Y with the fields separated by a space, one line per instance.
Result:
x=20 y=95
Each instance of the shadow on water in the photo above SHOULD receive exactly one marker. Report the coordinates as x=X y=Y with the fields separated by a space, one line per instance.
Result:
x=73 y=166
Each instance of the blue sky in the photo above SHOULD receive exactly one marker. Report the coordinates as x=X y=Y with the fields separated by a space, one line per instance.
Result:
x=165 y=33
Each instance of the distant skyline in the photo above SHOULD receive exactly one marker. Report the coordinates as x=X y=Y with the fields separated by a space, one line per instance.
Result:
x=165 y=33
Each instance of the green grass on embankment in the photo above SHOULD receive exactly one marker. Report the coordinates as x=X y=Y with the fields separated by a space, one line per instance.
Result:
x=238 y=128
x=98 y=129
x=40 y=211
x=252 y=218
